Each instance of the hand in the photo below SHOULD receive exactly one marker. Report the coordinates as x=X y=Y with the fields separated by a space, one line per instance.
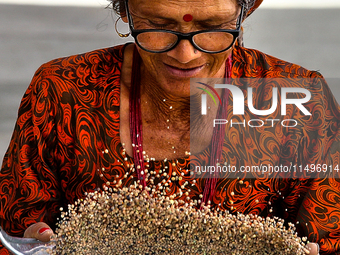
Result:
x=313 y=249
x=40 y=231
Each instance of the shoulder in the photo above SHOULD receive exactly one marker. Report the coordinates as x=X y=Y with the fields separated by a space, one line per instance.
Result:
x=270 y=72
x=76 y=79
x=256 y=64
x=90 y=67
x=99 y=58
x=95 y=70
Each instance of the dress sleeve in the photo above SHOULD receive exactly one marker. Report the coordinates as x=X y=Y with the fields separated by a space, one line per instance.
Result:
x=318 y=210
x=29 y=182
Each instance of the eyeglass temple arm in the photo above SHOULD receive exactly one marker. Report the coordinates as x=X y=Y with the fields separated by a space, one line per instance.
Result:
x=129 y=16
x=240 y=19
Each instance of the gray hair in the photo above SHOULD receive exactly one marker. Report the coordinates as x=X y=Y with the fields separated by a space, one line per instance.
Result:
x=248 y=4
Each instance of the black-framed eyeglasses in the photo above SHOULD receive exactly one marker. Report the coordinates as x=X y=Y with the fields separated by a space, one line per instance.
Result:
x=161 y=40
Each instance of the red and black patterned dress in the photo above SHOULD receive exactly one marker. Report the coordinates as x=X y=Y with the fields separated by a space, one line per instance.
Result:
x=66 y=142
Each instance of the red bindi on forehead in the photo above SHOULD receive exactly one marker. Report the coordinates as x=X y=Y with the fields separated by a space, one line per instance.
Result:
x=187 y=17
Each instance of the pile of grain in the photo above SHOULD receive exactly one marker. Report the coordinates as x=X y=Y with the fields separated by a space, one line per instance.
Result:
x=132 y=221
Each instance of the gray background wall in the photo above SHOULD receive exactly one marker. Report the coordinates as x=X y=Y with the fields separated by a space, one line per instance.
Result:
x=32 y=35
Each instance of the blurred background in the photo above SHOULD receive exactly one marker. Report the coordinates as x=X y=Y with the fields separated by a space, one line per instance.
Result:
x=32 y=32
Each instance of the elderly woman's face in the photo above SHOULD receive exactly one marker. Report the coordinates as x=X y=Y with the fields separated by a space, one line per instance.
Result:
x=173 y=69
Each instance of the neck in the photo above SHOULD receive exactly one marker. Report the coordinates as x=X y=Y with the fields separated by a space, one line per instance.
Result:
x=164 y=108
x=171 y=118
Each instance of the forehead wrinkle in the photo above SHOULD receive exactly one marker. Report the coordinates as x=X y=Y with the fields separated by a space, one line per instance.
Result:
x=176 y=9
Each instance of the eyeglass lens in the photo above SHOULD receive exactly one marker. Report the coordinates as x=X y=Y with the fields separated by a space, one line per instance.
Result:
x=156 y=41
x=209 y=41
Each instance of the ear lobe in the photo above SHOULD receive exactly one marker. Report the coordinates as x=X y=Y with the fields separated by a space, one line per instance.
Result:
x=124 y=18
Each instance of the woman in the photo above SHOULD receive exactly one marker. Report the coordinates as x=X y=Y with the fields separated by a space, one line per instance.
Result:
x=117 y=115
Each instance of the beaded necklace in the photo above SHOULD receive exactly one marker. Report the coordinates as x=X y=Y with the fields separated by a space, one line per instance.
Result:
x=136 y=133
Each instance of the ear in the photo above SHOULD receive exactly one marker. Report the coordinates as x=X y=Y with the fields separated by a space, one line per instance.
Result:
x=124 y=18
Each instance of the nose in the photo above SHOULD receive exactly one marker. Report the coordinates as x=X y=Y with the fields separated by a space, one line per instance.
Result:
x=184 y=52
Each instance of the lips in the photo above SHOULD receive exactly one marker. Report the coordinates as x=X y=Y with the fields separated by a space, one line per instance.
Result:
x=183 y=72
